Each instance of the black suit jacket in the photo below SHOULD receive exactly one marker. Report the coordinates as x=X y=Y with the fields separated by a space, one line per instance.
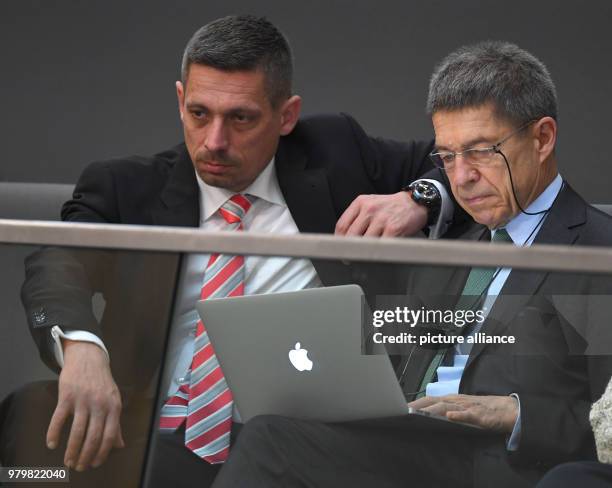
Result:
x=322 y=166
x=553 y=318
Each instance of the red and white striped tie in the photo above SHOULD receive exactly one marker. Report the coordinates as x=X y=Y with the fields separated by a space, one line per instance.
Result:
x=204 y=399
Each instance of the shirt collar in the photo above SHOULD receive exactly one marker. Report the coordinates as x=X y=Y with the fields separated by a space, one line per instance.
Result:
x=265 y=187
x=523 y=228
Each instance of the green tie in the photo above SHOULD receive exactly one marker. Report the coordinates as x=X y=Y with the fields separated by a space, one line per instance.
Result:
x=475 y=287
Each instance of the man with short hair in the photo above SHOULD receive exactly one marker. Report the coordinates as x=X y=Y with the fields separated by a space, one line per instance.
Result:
x=247 y=163
x=494 y=111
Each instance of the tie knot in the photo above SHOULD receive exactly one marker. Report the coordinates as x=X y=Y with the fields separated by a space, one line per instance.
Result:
x=501 y=235
x=235 y=208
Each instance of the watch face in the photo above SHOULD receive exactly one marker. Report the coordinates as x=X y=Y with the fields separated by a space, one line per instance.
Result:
x=428 y=191
x=425 y=193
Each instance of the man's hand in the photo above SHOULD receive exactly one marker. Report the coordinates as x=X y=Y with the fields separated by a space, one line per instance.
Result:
x=498 y=413
x=394 y=215
x=88 y=392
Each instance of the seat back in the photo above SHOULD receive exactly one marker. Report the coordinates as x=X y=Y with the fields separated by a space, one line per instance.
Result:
x=33 y=201
x=604 y=207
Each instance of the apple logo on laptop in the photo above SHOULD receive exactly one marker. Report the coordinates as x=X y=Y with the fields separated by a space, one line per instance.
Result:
x=299 y=358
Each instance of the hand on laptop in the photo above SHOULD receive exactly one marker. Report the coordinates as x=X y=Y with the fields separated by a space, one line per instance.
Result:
x=497 y=413
x=88 y=393
x=382 y=215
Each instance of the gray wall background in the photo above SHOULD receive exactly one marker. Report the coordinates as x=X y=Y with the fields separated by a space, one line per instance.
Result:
x=91 y=80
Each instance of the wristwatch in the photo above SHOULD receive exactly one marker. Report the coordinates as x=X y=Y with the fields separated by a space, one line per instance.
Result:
x=425 y=193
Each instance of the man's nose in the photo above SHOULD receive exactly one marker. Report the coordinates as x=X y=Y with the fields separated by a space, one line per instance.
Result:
x=464 y=172
x=217 y=138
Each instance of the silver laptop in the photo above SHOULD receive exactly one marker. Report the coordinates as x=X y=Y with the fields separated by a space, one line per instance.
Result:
x=298 y=354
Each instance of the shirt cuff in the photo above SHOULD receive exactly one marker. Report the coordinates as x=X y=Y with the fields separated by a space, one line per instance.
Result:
x=447 y=209
x=74 y=335
x=515 y=437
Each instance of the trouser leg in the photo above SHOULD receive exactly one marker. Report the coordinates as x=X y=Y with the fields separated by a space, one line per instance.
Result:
x=583 y=475
x=274 y=451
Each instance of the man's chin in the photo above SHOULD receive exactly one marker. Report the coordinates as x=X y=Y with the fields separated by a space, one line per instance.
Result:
x=485 y=218
x=221 y=182
x=214 y=180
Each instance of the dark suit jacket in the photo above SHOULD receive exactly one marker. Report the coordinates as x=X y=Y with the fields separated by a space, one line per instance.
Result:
x=322 y=166
x=553 y=320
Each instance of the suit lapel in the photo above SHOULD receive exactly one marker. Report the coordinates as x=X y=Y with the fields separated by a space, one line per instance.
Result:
x=178 y=204
x=562 y=226
x=306 y=190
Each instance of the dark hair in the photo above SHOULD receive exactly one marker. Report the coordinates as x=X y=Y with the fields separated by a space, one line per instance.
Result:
x=243 y=43
x=515 y=81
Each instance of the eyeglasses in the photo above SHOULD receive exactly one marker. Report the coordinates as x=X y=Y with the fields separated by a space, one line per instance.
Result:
x=474 y=156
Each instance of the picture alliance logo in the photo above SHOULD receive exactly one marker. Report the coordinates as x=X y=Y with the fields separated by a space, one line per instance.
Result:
x=299 y=358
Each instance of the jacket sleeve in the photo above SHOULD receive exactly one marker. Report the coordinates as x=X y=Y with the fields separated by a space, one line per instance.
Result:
x=58 y=289
x=60 y=282
x=554 y=430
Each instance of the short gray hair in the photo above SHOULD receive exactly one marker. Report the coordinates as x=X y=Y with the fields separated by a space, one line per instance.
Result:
x=515 y=81
x=243 y=43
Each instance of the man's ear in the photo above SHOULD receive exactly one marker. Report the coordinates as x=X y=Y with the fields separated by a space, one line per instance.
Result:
x=180 y=94
x=545 y=131
x=290 y=113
